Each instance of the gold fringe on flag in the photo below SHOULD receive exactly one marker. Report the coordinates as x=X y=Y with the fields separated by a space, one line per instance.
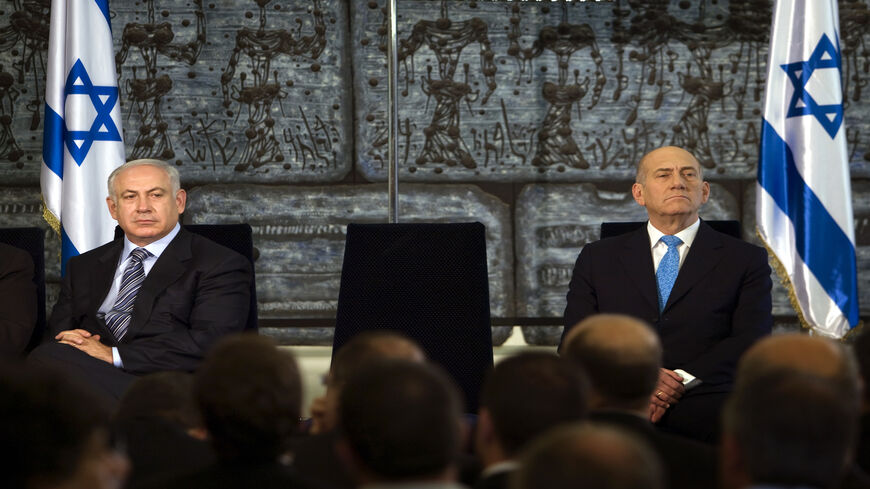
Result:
x=792 y=298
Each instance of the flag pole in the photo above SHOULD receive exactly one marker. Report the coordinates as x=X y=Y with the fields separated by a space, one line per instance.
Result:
x=393 y=115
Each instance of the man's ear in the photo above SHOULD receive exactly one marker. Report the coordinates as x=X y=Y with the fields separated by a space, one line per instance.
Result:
x=637 y=193
x=113 y=208
x=349 y=459
x=484 y=431
x=732 y=466
x=181 y=200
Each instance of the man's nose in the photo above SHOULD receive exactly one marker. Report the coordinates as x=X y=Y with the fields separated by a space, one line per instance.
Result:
x=142 y=205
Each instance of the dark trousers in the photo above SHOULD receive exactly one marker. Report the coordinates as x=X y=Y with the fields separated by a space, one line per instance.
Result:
x=107 y=381
x=695 y=416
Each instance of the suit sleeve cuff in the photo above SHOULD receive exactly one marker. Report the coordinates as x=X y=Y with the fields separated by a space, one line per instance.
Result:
x=116 y=358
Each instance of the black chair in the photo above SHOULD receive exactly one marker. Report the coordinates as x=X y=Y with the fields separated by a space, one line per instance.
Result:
x=427 y=281
x=610 y=229
x=32 y=240
x=237 y=237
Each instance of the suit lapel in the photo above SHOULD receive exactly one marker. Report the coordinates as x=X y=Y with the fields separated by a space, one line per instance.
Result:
x=638 y=263
x=702 y=257
x=168 y=268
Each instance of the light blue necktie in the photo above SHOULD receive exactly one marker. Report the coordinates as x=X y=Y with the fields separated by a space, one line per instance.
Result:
x=118 y=319
x=666 y=274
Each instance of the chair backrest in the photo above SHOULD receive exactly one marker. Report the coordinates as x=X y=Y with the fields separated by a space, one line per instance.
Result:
x=610 y=229
x=427 y=281
x=237 y=237
x=32 y=240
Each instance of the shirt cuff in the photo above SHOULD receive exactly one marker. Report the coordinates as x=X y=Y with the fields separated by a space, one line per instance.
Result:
x=689 y=380
x=116 y=358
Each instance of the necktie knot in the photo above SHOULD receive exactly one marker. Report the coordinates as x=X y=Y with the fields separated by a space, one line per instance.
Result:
x=139 y=254
x=671 y=241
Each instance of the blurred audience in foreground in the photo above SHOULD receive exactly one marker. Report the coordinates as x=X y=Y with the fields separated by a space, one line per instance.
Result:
x=401 y=426
x=523 y=396
x=588 y=456
x=622 y=358
x=55 y=434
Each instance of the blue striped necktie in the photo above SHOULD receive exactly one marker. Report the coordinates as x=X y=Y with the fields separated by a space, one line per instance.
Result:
x=666 y=274
x=118 y=319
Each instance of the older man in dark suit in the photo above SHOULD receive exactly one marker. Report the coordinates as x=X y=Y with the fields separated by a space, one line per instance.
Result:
x=706 y=294
x=153 y=300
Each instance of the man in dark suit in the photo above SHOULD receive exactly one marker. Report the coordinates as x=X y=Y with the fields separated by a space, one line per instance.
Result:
x=706 y=294
x=154 y=300
x=622 y=356
x=17 y=300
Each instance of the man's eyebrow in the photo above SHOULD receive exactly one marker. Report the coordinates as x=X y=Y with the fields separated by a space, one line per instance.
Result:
x=130 y=190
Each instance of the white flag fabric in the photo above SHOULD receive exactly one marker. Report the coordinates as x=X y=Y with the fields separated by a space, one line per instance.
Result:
x=82 y=140
x=804 y=205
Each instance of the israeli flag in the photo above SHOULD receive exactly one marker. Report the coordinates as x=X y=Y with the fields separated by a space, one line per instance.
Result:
x=804 y=205
x=82 y=140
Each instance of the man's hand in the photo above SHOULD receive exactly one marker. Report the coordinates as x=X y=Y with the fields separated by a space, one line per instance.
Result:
x=668 y=391
x=656 y=412
x=86 y=342
x=670 y=387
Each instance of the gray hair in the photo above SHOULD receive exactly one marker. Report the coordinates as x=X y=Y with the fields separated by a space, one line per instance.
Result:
x=171 y=171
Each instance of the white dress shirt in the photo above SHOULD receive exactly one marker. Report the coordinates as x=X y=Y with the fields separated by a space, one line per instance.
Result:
x=659 y=248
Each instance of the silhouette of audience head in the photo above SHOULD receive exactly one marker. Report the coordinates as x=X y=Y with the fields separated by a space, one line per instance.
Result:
x=55 y=432
x=249 y=393
x=786 y=428
x=588 y=456
x=165 y=395
x=363 y=348
x=621 y=356
x=400 y=421
x=524 y=396
x=806 y=354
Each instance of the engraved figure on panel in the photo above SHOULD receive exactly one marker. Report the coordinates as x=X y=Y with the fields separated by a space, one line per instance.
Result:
x=261 y=46
x=447 y=39
x=146 y=89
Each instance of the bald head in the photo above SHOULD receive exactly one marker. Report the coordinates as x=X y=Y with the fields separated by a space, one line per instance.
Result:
x=800 y=353
x=589 y=456
x=621 y=355
x=373 y=346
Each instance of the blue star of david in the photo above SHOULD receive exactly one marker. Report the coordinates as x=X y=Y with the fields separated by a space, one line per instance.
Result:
x=800 y=73
x=103 y=128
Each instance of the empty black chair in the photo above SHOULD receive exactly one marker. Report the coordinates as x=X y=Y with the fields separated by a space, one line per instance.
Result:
x=32 y=240
x=237 y=237
x=427 y=281
x=610 y=229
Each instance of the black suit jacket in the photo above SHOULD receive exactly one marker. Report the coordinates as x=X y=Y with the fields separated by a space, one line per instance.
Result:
x=719 y=306
x=688 y=464
x=17 y=300
x=196 y=292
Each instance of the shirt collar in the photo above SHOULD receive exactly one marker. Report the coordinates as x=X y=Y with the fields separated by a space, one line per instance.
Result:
x=687 y=235
x=156 y=248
